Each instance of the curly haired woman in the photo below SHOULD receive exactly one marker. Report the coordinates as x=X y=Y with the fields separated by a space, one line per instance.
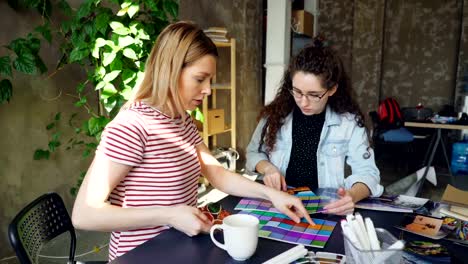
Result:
x=311 y=128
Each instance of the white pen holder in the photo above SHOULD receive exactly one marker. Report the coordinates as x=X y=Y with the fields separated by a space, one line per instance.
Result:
x=385 y=255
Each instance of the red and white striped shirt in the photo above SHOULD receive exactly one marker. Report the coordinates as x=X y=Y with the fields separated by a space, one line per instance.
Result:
x=165 y=170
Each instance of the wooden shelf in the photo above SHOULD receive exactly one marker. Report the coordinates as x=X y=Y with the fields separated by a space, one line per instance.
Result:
x=222 y=44
x=224 y=131
x=228 y=90
x=221 y=86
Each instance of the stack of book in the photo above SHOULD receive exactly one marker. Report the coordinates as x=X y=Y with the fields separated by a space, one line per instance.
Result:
x=217 y=34
x=392 y=203
x=457 y=201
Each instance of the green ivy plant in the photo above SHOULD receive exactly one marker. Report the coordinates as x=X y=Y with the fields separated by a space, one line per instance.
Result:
x=110 y=39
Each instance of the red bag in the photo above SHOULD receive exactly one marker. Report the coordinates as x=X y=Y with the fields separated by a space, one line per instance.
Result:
x=389 y=112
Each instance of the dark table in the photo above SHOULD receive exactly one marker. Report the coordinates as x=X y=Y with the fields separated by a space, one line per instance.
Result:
x=173 y=246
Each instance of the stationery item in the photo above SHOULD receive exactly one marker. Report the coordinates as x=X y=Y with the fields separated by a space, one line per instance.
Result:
x=277 y=226
x=360 y=233
x=452 y=213
x=240 y=235
x=214 y=195
x=381 y=258
x=288 y=256
x=425 y=252
x=374 y=242
x=311 y=201
x=455 y=196
x=396 y=203
x=423 y=225
x=390 y=252
x=322 y=258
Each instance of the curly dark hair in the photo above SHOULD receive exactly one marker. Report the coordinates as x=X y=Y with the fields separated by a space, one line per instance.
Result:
x=324 y=63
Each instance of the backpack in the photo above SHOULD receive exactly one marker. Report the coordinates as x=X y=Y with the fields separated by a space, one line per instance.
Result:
x=389 y=113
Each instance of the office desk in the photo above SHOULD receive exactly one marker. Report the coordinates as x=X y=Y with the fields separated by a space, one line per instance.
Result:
x=435 y=141
x=173 y=246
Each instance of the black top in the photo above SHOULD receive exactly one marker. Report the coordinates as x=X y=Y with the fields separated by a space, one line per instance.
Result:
x=302 y=167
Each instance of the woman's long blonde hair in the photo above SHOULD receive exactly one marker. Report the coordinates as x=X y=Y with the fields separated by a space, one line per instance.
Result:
x=177 y=46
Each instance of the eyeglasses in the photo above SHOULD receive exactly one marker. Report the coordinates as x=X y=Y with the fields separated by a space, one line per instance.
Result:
x=310 y=97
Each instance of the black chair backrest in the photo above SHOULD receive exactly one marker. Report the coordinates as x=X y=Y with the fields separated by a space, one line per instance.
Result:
x=42 y=220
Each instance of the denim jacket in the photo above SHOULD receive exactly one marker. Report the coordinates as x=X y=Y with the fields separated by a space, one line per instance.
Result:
x=341 y=140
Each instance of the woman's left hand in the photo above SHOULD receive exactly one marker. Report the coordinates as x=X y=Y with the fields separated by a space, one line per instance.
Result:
x=343 y=206
x=290 y=205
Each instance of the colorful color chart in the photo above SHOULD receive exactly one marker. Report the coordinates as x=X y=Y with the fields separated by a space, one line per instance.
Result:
x=279 y=227
x=312 y=202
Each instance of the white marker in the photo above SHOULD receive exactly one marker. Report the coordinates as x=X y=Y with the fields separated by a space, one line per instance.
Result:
x=360 y=234
x=288 y=256
x=374 y=241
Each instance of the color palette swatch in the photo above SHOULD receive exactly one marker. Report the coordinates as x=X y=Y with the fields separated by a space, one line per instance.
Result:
x=312 y=202
x=280 y=227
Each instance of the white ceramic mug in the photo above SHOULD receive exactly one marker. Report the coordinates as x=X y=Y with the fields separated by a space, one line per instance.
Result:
x=240 y=235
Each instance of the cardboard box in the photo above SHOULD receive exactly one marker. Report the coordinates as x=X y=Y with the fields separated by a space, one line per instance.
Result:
x=215 y=121
x=302 y=22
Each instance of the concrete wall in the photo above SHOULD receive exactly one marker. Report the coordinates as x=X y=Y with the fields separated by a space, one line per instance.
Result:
x=243 y=20
x=34 y=103
x=404 y=49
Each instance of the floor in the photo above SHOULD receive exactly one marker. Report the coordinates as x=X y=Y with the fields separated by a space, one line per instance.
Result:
x=95 y=243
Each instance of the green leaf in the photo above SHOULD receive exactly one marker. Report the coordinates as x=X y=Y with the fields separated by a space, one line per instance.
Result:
x=5 y=66
x=78 y=54
x=122 y=31
x=41 y=154
x=90 y=29
x=25 y=63
x=56 y=136
x=132 y=10
x=108 y=58
x=53 y=145
x=125 y=41
x=81 y=102
x=6 y=90
x=126 y=93
x=134 y=26
x=95 y=52
x=83 y=11
x=100 y=42
x=34 y=44
x=172 y=8
x=96 y=125
x=91 y=145
x=44 y=30
x=50 y=126
x=111 y=76
x=102 y=22
x=122 y=12
x=116 y=65
x=129 y=53
x=128 y=76
x=108 y=91
x=86 y=153
x=126 y=4
x=143 y=35
x=199 y=115
x=65 y=7
x=80 y=87
x=18 y=45
x=100 y=72
x=116 y=25
x=57 y=116
x=40 y=64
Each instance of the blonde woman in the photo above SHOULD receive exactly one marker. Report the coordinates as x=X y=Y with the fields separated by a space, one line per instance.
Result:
x=143 y=179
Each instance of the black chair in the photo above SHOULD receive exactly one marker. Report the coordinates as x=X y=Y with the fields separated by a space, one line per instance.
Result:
x=39 y=222
x=398 y=153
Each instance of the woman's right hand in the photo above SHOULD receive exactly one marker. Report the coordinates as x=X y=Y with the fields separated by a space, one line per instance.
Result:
x=273 y=178
x=189 y=220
